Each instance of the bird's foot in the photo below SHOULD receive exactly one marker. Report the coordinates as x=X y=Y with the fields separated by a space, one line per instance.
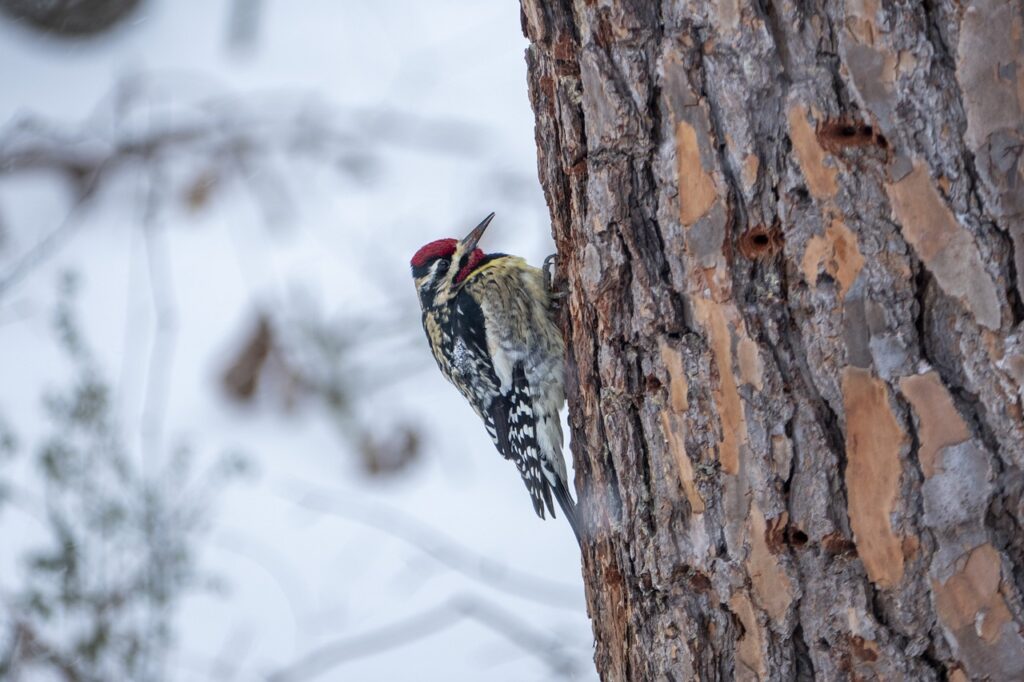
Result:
x=554 y=294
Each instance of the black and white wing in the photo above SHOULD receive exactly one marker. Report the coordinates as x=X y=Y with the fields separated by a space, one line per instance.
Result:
x=515 y=435
x=506 y=408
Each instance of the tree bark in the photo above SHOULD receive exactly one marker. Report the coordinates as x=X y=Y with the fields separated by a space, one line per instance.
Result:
x=791 y=232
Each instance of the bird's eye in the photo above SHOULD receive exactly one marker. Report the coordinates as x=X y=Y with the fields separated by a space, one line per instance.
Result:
x=442 y=266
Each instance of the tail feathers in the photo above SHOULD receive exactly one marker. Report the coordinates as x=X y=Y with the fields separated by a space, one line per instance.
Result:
x=568 y=508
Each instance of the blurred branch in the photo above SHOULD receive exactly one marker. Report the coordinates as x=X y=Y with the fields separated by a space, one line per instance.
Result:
x=244 y=25
x=546 y=647
x=273 y=564
x=70 y=18
x=224 y=138
x=393 y=636
x=242 y=376
x=303 y=356
x=428 y=623
x=27 y=647
x=225 y=128
x=85 y=158
x=161 y=351
x=439 y=547
x=115 y=551
x=44 y=247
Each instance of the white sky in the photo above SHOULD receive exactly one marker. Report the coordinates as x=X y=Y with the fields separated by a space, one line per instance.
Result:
x=298 y=577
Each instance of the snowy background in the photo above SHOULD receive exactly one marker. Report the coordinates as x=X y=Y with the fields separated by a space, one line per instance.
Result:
x=331 y=139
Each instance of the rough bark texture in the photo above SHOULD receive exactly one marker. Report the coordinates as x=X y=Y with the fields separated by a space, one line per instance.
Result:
x=791 y=233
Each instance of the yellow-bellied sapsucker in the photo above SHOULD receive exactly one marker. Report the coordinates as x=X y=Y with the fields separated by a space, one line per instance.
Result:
x=489 y=321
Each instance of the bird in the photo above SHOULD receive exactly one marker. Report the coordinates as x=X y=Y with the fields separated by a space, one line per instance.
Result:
x=490 y=323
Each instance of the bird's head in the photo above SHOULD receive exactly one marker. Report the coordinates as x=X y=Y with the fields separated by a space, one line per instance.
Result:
x=441 y=266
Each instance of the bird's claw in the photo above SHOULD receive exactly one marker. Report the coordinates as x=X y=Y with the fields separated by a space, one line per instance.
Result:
x=549 y=279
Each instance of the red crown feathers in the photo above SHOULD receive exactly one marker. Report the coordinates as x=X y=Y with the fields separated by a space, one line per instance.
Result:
x=437 y=249
x=444 y=248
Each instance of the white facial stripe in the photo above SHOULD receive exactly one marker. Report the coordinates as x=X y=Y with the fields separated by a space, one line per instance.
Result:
x=436 y=272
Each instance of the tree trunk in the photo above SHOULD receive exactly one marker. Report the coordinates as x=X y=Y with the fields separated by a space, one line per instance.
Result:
x=787 y=230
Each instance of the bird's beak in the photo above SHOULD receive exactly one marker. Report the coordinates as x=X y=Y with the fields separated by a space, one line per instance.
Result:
x=468 y=244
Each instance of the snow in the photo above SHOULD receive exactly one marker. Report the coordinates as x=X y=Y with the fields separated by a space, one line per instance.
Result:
x=301 y=564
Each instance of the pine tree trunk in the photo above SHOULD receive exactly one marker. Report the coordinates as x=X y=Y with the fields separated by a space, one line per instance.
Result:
x=791 y=233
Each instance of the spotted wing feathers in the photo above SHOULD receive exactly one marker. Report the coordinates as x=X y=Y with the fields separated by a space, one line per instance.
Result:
x=515 y=435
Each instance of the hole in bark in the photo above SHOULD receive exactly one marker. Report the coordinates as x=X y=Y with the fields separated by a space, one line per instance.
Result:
x=760 y=242
x=652 y=383
x=838 y=134
x=797 y=538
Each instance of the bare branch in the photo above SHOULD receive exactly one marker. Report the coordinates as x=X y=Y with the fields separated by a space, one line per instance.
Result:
x=440 y=547
x=70 y=20
x=227 y=138
x=161 y=351
x=425 y=624
x=393 y=636
x=44 y=247
x=546 y=647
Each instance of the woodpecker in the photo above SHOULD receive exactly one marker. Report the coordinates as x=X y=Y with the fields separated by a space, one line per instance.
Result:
x=491 y=329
